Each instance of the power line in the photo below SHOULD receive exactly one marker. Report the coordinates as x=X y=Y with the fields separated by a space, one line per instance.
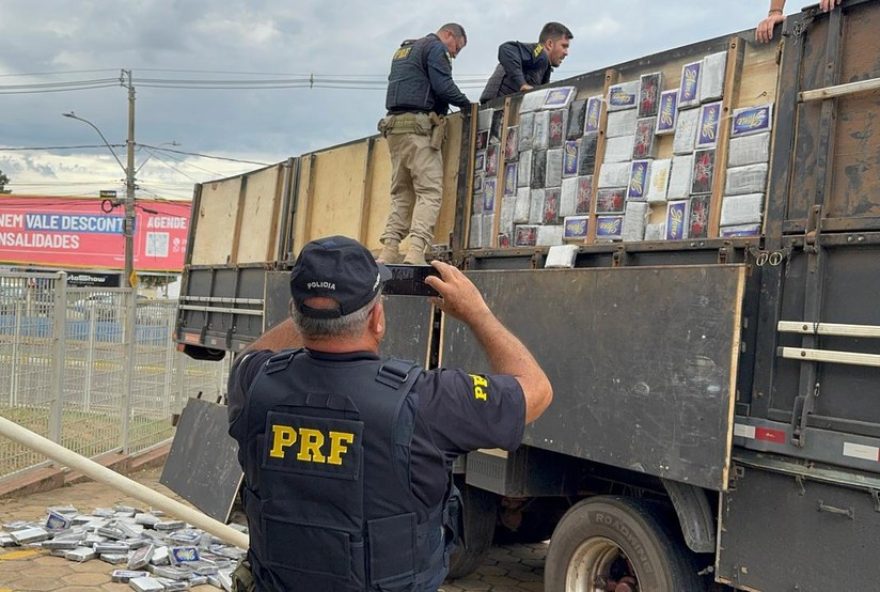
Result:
x=206 y=155
x=60 y=73
x=35 y=148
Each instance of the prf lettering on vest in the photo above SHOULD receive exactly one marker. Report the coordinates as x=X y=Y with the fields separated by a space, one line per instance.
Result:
x=481 y=387
x=311 y=442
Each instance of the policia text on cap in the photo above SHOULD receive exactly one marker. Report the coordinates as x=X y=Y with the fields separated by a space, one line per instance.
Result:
x=347 y=454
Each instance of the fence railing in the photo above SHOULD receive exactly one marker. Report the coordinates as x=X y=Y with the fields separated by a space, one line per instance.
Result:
x=66 y=361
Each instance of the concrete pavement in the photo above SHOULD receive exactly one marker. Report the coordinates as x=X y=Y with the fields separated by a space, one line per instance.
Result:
x=514 y=568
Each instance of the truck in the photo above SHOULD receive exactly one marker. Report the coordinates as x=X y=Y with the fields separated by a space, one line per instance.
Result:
x=716 y=420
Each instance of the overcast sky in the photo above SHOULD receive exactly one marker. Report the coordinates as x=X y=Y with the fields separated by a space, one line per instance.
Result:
x=52 y=41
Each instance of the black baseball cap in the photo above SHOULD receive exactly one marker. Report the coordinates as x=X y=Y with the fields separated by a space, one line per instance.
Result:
x=336 y=267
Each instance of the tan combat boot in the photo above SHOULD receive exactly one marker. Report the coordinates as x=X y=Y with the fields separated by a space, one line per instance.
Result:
x=390 y=253
x=415 y=255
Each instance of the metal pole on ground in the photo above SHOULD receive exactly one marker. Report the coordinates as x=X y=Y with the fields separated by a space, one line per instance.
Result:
x=127 y=486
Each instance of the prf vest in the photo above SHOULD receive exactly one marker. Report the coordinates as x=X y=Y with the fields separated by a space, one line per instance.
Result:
x=327 y=488
x=409 y=88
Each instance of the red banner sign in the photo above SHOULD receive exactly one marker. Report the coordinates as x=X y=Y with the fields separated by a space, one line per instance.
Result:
x=76 y=232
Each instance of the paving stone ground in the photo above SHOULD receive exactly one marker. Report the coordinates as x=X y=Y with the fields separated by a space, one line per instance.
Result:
x=514 y=568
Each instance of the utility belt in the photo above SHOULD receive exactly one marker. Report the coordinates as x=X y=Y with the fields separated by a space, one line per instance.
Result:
x=422 y=124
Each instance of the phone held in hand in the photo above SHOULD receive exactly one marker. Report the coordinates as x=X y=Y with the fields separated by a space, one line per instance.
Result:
x=409 y=280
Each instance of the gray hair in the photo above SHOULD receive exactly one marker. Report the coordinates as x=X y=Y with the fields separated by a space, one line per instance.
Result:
x=346 y=326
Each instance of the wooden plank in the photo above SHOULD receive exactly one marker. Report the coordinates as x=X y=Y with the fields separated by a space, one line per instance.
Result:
x=305 y=205
x=465 y=202
x=366 y=194
x=282 y=178
x=735 y=53
x=380 y=192
x=239 y=214
x=216 y=214
x=444 y=227
x=840 y=90
x=611 y=77
x=500 y=175
x=257 y=225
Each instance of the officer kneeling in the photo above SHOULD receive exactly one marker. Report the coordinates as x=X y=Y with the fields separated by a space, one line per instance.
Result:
x=347 y=455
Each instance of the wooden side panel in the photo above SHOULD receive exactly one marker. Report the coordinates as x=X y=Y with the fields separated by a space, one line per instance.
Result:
x=217 y=213
x=338 y=187
x=451 y=158
x=855 y=175
x=303 y=203
x=258 y=226
x=380 y=190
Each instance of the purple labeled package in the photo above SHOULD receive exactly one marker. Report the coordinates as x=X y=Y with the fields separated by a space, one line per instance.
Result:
x=640 y=171
x=676 y=220
x=570 y=158
x=751 y=120
x=609 y=227
x=593 y=115
x=689 y=89
x=575 y=227
x=707 y=130
x=667 y=112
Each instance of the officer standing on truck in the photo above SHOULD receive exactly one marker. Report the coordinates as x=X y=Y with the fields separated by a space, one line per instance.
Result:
x=420 y=90
x=347 y=455
x=523 y=66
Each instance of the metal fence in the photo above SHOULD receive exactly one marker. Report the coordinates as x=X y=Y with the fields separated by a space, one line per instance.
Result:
x=70 y=371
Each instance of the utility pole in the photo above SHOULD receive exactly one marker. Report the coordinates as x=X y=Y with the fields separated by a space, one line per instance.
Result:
x=131 y=280
x=130 y=274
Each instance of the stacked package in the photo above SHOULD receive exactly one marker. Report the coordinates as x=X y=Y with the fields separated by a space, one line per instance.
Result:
x=147 y=550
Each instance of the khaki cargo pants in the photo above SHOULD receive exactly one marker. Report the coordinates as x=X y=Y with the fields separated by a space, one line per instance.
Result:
x=414 y=142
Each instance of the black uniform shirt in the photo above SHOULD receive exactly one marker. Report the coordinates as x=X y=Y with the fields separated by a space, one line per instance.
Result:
x=455 y=412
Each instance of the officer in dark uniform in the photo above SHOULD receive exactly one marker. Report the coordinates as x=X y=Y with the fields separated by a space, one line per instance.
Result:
x=347 y=455
x=420 y=91
x=522 y=66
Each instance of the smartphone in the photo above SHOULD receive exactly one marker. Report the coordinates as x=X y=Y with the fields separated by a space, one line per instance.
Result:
x=409 y=280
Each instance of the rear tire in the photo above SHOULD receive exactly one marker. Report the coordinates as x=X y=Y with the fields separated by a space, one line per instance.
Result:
x=613 y=538
x=479 y=513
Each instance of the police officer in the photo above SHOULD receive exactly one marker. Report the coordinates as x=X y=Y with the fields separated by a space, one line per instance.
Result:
x=347 y=455
x=420 y=91
x=523 y=66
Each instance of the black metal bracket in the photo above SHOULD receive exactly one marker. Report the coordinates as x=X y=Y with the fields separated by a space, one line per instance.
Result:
x=619 y=258
x=725 y=253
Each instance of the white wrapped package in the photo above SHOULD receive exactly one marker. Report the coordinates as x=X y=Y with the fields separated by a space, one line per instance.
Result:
x=621 y=123
x=619 y=149
x=523 y=203
x=659 y=182
x=742 y=209
x=484 y=119
x=712 y=77
x=680 y=179
x=526 y=131
x=533 y=101
x=561 y=256
x=568 y=200
x=550 y=235
x=524 y=171
x=655 y=232
x=536 y=206
x=553 y=176
x=541 y=134
x=486 y=228
x=634 y=221
x=686 y=131
x=614 y=174
x=746 y=179
x=508 y=210
x=475 y=232
x=748 y=150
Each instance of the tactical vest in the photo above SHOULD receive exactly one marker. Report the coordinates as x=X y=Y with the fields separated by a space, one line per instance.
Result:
x=328 y=496
x=501 y=84
x=409 y=88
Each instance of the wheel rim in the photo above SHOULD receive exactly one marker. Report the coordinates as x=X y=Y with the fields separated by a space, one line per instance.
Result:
x=596 y=565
